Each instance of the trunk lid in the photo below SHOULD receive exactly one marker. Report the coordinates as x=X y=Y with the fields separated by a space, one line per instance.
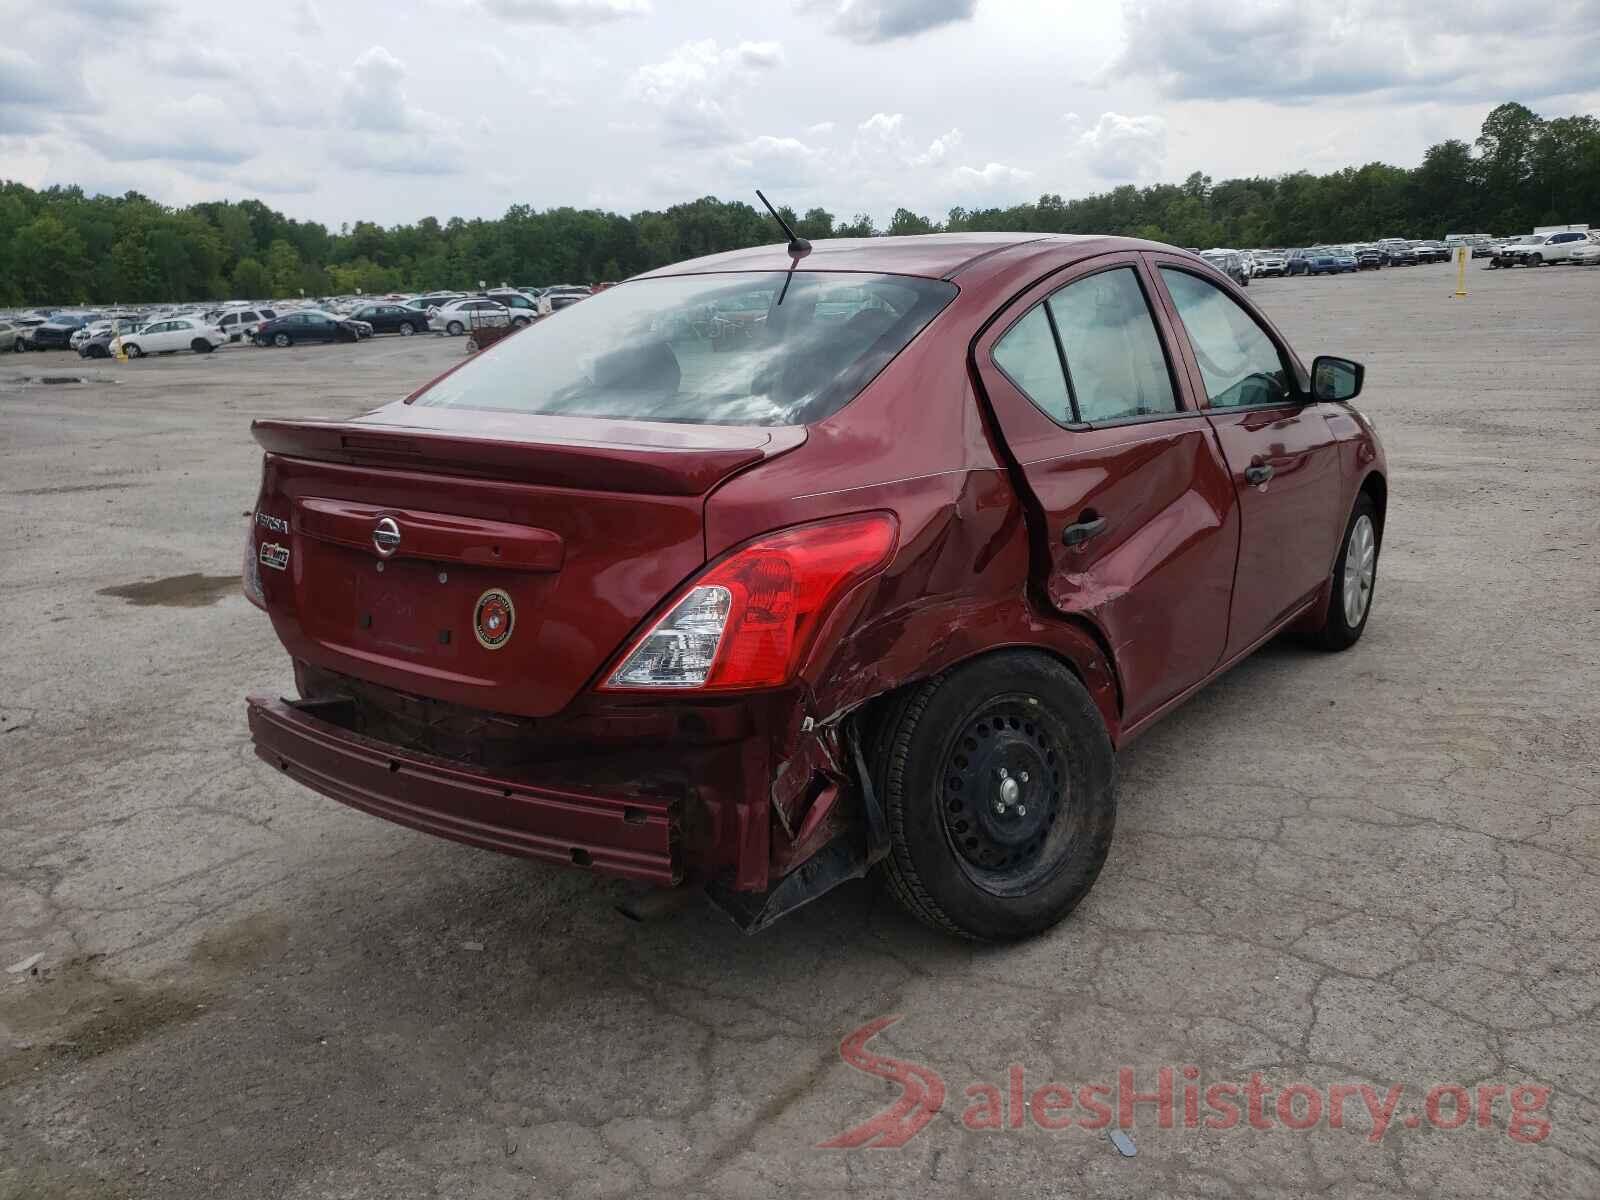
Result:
x=570 y=529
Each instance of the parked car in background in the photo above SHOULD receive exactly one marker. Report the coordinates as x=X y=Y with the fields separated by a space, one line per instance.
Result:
x=1399 y=254
x=567 y=294
x=739 y=633
x=432 y=300
x=1556 y=248
x=1269 y=262
x=1345 y=257
x=23 y=328
x=1230 y=263
x=392 y=318
x=56 y=333
x=9 y=334
x=1368 y=258
x=1428 y=251
x=101 y=342
x=1585 y=254
x=171 y=336
x=1319 y=260
x=239 y=324
x=1504 y=252
x=1510 y=253
x=458 y=316
x=521 y=309
x=307 y=325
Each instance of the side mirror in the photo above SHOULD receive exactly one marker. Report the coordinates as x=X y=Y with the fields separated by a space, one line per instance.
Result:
x=1335 y=378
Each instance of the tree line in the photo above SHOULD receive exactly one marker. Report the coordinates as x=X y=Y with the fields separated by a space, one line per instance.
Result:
x=62 y=246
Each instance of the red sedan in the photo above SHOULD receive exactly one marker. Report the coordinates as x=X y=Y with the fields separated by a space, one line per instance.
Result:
x=885 y=579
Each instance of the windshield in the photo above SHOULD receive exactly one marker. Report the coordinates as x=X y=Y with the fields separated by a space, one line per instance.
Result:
x=704 y=349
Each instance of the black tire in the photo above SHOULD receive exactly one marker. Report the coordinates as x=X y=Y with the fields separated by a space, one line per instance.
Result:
x=131 y=349
x=282 y=341
x=472 y=346
x=1534 y=260
x=519 y=322
x=455 y=328
x=259 y=340
x=1013 y=875
x=1338 y=632
x=407 y=329
x=201 y=346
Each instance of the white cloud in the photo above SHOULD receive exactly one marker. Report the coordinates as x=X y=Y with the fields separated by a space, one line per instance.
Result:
x=1287 y=51
x=990 y=177
x=380 y=129
x=820 y=129
x=774 y=162
x=698 y=87
x=33 y=93
x=195 y=130
x=193 y=60
x=572 y=13
x=872 y=21
x=1122 y=148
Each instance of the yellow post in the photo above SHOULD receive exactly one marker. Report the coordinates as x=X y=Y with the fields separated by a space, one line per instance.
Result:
x=1462 y=254
x=122 y=355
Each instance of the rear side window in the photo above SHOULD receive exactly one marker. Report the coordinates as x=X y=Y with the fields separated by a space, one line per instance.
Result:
x=737 y=348
x=1239 y=362
x=1114 y=356
x=1028 y=356
x=1114 y=365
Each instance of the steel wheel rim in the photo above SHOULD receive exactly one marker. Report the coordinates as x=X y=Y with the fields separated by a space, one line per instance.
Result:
x=1360 y=570
x=1005 y=796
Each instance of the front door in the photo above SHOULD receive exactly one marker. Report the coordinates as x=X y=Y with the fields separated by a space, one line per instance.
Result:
x=1131 y=501
x=1282 y=455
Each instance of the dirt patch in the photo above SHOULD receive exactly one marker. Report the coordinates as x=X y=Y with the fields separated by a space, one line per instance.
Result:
x=241 y=944
x=175 y=591
x=56 y=1183
x=73 y=1013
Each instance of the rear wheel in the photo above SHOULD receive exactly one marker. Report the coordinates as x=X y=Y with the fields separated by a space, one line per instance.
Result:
x=999 y=786
x=1355 y=576
x=519 y=322
x=455 y=329
x=201 y=346
x=406 y=329
x=132 y=350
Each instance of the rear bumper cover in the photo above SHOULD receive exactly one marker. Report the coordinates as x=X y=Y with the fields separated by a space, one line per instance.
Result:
x=631 y=837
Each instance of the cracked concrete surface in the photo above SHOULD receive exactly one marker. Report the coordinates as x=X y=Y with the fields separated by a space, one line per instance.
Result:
x=1377 y=867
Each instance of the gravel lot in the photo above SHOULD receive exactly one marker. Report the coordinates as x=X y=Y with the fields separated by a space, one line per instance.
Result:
x=1381 y=867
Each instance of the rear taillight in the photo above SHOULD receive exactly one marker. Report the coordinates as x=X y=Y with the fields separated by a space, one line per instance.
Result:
x=250 y=575
x=748 y=620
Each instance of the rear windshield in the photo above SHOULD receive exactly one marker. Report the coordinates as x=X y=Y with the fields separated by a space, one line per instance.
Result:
x=728 y=349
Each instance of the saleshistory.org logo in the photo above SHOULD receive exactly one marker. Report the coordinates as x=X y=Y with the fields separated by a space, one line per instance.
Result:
x=1175 y=1096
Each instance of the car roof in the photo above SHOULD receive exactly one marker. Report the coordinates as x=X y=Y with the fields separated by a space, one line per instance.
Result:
x=935 y=255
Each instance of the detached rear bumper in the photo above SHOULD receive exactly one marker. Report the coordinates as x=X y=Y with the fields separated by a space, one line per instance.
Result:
x=627 y=836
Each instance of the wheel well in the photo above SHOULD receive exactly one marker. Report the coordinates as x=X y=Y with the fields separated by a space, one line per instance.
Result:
x=1377 y=487
x=870 y=715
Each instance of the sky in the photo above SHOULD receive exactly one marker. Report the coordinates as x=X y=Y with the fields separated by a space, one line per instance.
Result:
x=393 y=111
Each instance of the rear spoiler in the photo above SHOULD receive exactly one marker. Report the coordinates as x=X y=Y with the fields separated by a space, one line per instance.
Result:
x=608 y=456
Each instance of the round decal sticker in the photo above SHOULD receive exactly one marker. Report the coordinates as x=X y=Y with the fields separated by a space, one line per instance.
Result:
x=492 y=619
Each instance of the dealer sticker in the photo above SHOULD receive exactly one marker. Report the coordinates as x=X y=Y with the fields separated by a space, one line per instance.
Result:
x=274 y=556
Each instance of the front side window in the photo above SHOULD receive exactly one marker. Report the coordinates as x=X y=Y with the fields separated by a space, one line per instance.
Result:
x=704 y=349
x=1239 y=362
x=1114 y=356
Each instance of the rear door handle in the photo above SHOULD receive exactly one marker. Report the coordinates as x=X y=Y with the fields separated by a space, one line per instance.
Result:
x=1076 y=535
x=1259 y=473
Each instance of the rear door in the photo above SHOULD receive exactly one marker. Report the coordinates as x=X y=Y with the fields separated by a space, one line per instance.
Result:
x=1130 y=496
x=1282 y=455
